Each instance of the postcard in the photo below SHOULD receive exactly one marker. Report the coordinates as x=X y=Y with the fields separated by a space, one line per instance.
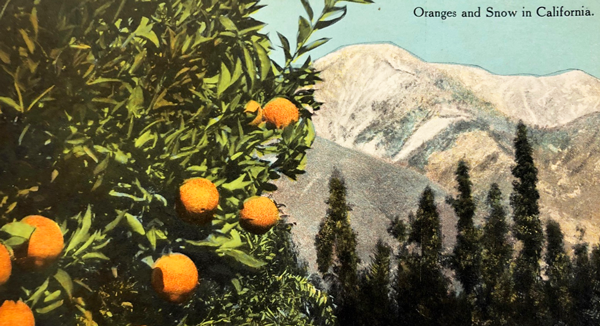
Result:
x=299 y=162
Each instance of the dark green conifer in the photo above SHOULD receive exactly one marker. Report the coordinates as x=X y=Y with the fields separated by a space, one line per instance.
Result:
x=376 y=305
x=496 y=303
x=558 y=273
x=528 y=230
x=421 y=287
x=337 y=259
x=582 y=286
x=466 y=258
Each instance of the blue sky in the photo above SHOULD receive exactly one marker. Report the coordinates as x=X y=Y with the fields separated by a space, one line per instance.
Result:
x=508 y=46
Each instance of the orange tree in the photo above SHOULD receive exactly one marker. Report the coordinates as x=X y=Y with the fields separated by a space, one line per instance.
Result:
x=106 y=108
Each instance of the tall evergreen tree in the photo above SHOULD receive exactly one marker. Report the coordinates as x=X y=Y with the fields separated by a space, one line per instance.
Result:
x=421 y=287
x=558 y=273
x=337 y=259
x=376 y=304
x=496 y=303
x=582 y=286
x=466 y=258
x=528 y=230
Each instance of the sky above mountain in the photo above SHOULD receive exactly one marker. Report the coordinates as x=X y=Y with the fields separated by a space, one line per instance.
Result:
x=537 y=45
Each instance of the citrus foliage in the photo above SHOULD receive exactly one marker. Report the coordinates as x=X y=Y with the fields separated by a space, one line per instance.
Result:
x=107 y=107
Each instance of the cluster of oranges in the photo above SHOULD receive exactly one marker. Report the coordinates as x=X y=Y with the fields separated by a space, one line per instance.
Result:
x=174 y=276
x=279 y=112
x=41 y=250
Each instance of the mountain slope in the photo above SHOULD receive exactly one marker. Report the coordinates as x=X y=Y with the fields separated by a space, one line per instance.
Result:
x=377 y=191
x=384 y=102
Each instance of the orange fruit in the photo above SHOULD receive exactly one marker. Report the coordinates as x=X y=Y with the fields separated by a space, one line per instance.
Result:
x=44 y=246
x=5 y=265
x=174 y=277
x=253 y=107
x=259 y=215
x=281 y=112
x=16 y=313
x=198 y=200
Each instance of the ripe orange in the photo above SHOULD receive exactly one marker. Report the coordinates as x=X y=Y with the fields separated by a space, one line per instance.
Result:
x=5 y=265
x=253 y=107
x=44 y=246
x=16 y=313
x=174 y=277
x=198 y=200
x=281 y=112
x=258 y=215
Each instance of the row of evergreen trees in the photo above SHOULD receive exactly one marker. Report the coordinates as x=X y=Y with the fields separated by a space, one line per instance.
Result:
x=497 y=273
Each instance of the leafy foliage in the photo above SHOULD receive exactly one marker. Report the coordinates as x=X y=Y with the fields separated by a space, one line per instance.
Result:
x=106 y=107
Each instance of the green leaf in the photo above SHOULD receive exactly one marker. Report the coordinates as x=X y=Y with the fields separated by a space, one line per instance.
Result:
x=151 y=235
x=37 y=99
x=325 y=23
x=49 y=308
x=243 y=258
x=235 y=241
x=11 y=102
x=308 y=9
x=95 y=255
x=65 y=281
x=313 y=45
x=236 y=184
x=15 y=241
x=224 y=80
x=88 y=243
x=237 y=285
x=148 y=260
x=135 y=224
x=102 y=80
x=227 y=23
x=102 y=166
x=81 y=234
x=122 y=194
x=115 y=222
x=18 y=229
x=23 y=133
x=304 y=30
x=28 y=41
x=265 y=61
x=37 y=295
x=90 y=153
x=52 y=296
x=161 y=199
x=197 y=168
x=144 y=138
x=145 y=30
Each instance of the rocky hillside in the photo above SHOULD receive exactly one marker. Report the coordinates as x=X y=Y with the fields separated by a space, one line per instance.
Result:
x=377 y=191
x=420 y=118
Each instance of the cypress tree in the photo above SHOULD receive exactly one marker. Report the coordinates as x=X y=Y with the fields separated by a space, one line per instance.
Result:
x=421 y=286
x=376 y=305
x=558 y=272
x=528 y=230
x=337 y=259
x=466 y=258
x=582 y=286
x=496 y=257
